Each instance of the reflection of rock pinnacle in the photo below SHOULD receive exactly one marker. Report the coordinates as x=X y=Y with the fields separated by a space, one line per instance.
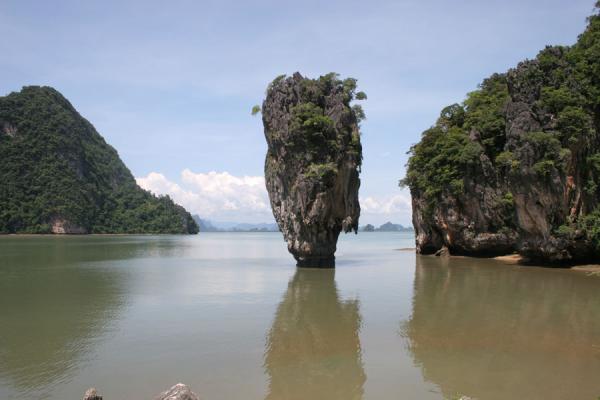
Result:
x=313 y=349
x=312 y=164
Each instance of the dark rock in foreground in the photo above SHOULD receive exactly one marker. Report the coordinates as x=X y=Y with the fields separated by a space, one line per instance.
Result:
x=91 y=394
x=176 y=392
x=313 y=162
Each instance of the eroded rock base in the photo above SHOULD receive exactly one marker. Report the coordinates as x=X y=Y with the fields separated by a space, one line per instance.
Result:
x=315 y=262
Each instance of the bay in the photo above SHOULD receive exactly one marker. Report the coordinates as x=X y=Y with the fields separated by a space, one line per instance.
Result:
x=230 y=315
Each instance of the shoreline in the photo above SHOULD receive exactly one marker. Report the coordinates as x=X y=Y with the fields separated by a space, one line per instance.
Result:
x=516 y=259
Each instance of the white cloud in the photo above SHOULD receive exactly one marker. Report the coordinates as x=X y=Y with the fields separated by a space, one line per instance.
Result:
x=379 y=209
x=221 y=196
x=385 y=205
x=215 y=195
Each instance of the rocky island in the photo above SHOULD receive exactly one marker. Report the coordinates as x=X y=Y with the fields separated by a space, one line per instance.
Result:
x=516 y=167
x=313 y=162
x=58 y=175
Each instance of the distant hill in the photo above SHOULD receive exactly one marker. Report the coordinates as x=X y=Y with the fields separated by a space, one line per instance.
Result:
x=58 y=175
x=205 y=225
x=212 y=226
x=387 y=227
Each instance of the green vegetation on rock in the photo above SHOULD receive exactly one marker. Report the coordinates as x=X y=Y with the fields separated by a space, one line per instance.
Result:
x=313 y=162
x=532 y=133
x=316 y=139
x=56 y=169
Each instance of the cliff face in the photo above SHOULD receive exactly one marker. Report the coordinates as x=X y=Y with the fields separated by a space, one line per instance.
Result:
x=58 y=175
x=517 y=165
x=313 y=162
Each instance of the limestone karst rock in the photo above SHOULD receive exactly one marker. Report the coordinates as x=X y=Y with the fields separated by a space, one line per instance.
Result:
x=516 y=167
x=313 y=162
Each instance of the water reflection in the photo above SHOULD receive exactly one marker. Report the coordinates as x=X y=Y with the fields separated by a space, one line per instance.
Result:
x=58 y=297
x=492 y=331
x=313 y=349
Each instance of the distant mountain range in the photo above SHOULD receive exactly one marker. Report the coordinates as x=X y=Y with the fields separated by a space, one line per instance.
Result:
x=387 y=227
x=213 y=226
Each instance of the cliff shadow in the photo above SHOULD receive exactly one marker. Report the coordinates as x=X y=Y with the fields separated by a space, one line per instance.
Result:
x=313 y=348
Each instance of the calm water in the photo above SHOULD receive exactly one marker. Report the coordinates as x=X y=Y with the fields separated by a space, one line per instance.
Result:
x=231 y=316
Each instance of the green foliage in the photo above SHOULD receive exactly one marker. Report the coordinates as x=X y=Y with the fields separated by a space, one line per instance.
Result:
x=255 y=109
x=313 y=139
x=544 y=167
x=443 y=157
x=359 y=113
x=453 y=115
x=574 y=124
x=565 y=230
x=556 y=99
x=590 y=187
x=275 y=81
x=440 y=161
x=508 y=200
x=56 y=166
x=507 y=159
x=485 y=113
x=361 y=96
x=551 y=155
x=313 y=126
x=324 y=172
x=590 y=225
x=593 y=162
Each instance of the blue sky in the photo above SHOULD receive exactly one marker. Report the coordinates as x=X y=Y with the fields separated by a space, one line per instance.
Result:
x=170 y=84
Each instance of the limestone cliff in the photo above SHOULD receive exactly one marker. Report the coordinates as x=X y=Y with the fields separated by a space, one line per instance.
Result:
x=58 y=175
x=517 y=165
x=313 y=162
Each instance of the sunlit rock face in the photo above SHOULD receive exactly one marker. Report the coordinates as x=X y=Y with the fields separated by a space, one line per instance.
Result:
x=313 y=349
x=313 y=163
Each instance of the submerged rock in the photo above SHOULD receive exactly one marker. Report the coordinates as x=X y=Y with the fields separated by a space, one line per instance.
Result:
x=313 y=162
x=443 y=252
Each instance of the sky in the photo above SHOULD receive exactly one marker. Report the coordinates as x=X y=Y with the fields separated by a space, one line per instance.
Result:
x=170 y=85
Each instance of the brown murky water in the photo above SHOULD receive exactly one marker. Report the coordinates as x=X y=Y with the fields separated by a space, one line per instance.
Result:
x=231 y=316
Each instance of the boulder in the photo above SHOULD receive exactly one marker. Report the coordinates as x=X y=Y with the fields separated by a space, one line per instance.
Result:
x=177 y=392
x=91 y=394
